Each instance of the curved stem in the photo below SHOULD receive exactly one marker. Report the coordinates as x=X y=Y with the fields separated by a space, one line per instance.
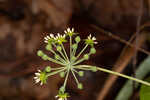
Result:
x=118 y=74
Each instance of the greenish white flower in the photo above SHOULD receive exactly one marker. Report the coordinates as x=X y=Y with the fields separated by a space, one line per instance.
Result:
x=69 y=31
x=90 y=40
x=60 y=38
x=62 y=96
x=49 y=38
x=40 y=77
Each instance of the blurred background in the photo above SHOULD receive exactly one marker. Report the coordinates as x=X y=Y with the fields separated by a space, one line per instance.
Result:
x=120 y=26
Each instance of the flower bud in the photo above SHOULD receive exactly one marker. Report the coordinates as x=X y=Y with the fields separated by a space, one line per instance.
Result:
x=48 y=69
x=92 y=50
x=57 y=57
x=62 y=89
x=80 y=86
x=86 y=56
x=45 y=57
x=62 y=74
x=48 y=47
x=40 y=53
x=74 y=46
x=81 y=73
x=77 y=39
x=59 y=48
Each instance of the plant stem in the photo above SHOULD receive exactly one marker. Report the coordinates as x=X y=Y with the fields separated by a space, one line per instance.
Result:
x=70 y=47
x=64 y=51
x=82 y=51
x=55 y=61
x=53 y=73
x=61 y=59
x=65 y=82
x=79 y=61
x=118 y=74
x=61 y=53
x=74 y=50
x=75 y=77
x=57 y=68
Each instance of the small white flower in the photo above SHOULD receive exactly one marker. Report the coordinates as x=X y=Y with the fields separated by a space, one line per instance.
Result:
x=59 y=36
x=69 y=30
x=60 y=98
x=47 y=38
x=40 y=77
x=91 y=40
x=37 y=76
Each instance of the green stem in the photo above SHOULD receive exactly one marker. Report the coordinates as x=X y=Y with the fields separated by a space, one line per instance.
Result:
x=75 y=71
x=61 y=53
x=64 y=51
x=70 y=47
x=75 y=77
x=53 y=73
x=82 y=51
x=74 y=50
x=76 y=67
x=57 y=68
x=61 y=59
x=118 y=74
x=79 y=61
x=65 y=82
x=55 y=61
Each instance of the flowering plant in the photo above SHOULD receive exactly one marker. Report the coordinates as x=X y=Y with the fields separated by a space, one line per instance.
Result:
x=69 y=63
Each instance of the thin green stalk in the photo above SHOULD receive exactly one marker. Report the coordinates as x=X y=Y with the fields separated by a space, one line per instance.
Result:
x=61 y=53
x=74 y=51
x=75 y=71
x=82 y=68
x=75 y=77
x=55 y=61
x=118 y=74
x=79 y=61
x=64 y=51
x=61 y=59
x=82 y=51
x=57 y=68
x=70 y=47
x=53 y=73
x=65 y=82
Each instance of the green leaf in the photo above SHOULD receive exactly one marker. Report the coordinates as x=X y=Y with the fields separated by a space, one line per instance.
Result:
x=145 y=91
x=141 y=72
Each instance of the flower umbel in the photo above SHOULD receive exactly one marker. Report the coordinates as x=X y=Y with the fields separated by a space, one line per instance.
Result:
x=69 y=64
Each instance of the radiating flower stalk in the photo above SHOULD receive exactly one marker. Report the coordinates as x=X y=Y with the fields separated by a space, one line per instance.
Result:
x=69 y=62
